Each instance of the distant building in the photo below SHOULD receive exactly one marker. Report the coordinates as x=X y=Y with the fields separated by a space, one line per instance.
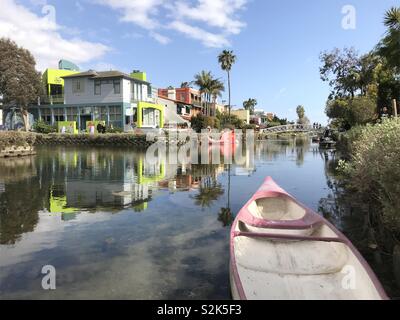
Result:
x=242 y=114
x=260 y=117
x=188 y=101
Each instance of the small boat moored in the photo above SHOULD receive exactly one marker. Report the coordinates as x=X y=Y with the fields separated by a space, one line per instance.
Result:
x=282 y=250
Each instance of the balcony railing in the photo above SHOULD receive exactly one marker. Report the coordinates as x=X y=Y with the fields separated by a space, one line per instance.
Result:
x=149 y=98
x=53 y=99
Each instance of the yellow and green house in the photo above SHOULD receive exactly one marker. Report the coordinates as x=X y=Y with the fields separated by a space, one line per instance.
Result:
x=119 y=100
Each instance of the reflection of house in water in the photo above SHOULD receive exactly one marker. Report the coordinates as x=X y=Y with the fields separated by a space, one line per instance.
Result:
x=122 y=180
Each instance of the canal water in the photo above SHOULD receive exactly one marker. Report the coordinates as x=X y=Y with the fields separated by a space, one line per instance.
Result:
x=115 y=227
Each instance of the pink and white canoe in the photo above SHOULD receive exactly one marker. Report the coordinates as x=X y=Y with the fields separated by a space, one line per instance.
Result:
x=281 y=250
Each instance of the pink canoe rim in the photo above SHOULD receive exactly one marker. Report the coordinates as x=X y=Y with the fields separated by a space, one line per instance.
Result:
x=310 y=220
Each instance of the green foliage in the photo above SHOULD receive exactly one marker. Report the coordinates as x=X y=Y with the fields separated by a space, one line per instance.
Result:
x=20 y=83
x=389 y=45
x=42 y=127
x=349 y=112
x=201 y=122
x=250 y=105
x=15 y=138
x=209 y=87
x=300 y=112
x=226 y=59
x=114 y=130
x=374 y=167
x=230 y=121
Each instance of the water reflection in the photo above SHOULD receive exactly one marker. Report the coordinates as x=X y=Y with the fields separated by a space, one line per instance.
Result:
x=116 y=227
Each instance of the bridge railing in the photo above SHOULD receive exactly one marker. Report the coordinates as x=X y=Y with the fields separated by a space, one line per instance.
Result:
x=290 y=128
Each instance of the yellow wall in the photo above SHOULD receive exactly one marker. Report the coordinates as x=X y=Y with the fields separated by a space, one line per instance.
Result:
x=53 y=76
x=242 y=115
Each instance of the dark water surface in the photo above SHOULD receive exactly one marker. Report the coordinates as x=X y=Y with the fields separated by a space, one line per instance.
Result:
x=115 y=227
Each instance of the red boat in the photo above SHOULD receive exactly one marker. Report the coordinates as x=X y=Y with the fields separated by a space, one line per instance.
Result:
x=282 y=250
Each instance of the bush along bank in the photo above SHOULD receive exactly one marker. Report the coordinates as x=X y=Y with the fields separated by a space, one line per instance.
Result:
x=373 y=168
x=370 y=176
x=14 y=144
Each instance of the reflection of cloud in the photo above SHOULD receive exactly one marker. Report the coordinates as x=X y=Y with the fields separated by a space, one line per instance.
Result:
x=147 y=257
x=47 y=234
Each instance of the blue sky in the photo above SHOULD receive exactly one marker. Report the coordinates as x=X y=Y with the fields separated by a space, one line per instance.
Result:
x=277 y=42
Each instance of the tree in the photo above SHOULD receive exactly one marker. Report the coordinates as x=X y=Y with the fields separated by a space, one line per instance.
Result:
x=347 y=112
x=201 y=122
x=186 y=84
x=203 y=81
x=216 y=88
x=250 y=105
x=389 y=46
x=227 y=59
x=300 y=112
x=20 y=83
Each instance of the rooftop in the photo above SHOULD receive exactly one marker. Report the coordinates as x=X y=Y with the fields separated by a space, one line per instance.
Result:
x=102 y=75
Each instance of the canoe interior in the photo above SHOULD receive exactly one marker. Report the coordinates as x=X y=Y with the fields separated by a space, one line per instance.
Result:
x=299 y=270
x=281 y=208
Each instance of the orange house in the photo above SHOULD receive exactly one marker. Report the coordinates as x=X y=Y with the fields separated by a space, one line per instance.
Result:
x=188 y=100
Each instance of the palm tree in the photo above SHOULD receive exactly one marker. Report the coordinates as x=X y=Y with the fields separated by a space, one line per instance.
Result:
x=227 y=59
x=389 y=47
x=392 y=19
x=186 y=84
x=250 y=105
x=216 y=89
x=203 y=81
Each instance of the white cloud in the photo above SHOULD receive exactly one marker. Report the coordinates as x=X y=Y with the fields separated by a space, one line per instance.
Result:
x=160 y=38
x=215 y=13
x=210 y=21
x=208 y=39
x=41 y=35
x=140 y=12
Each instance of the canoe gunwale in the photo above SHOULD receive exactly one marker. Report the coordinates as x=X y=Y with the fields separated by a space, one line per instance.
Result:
x=309 y=220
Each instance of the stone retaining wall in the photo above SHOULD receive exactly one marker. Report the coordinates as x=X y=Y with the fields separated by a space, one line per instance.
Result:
x=120 y=140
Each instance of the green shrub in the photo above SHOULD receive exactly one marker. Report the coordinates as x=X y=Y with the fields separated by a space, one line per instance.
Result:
x=42 y=127
x=114 y=130
x=374 y=167
x=201 y=122
x=16 y=138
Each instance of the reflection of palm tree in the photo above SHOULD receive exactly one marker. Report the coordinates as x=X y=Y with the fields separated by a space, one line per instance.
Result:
x=225 y=215
x=209 y=192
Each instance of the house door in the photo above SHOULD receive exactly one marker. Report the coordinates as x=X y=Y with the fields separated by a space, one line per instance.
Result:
x=84 y=119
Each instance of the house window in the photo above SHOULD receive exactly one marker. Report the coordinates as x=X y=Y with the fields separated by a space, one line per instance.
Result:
x=46 y=115
x=117 y=86
x=134 y=91
x=72 y=114
x=77 y=86
x=59 y=114
x=116 y=116
x=100 y=113
x=97 y=87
